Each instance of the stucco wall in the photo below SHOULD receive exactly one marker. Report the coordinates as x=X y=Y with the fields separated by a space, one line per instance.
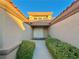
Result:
x=12 y=55
x=27 y=34
x=10 y=33
x=1 y=42
x=67 y=30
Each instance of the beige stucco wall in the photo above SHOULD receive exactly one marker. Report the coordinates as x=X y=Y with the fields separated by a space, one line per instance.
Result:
x=27 y=34
x=10 y=33
x=12 y=55
x=67 y=30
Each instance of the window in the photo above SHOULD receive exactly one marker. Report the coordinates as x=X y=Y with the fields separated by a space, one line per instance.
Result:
x=35 y=18
x=40 y=18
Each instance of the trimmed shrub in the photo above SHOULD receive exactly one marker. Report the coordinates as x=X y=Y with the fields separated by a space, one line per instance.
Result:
x=61 y=50
x=26 y=50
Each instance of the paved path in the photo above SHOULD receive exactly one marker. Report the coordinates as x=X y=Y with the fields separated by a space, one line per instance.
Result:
x=41 y=51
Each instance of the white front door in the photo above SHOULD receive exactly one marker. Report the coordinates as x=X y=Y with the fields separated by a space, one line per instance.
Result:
x=38 y=33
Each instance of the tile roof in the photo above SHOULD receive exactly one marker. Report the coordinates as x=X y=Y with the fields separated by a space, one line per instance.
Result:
x=41 y=23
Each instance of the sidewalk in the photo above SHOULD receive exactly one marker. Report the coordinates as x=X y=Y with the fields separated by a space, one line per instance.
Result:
x=41 y=51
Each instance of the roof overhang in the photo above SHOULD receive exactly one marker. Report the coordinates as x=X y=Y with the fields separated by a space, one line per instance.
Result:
x=40 y=13
x=74 y=8
x=42 y=23
x=9 y=7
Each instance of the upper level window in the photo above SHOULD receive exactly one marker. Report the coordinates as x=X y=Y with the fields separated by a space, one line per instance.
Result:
x=35 y=18
x=44 y=18
x=40 y=18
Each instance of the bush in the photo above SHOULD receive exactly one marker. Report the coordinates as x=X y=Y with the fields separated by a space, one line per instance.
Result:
x=61 y=50
x=26 y=50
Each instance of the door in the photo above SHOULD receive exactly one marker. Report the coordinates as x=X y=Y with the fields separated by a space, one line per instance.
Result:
x=38 y=33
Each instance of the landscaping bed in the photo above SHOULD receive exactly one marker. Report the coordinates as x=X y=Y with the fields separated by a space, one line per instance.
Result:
x=26 y=50
x=61 y=50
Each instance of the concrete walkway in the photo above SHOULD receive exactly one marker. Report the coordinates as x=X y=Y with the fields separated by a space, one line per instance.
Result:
x=41 y=51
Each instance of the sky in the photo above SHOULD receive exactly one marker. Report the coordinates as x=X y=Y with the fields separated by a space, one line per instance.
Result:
x=55 y=6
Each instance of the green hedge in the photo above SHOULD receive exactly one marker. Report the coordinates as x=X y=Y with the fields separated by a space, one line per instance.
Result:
x=61 y=50
x=26 y=50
